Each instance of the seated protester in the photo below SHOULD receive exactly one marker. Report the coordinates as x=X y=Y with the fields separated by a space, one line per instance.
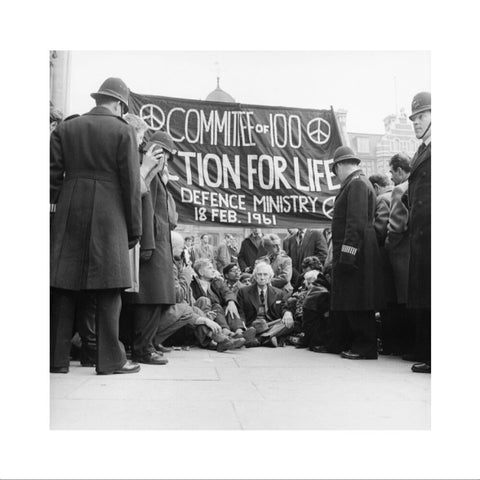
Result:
x=315 y=315
x=280 y=262
x=245 y=279
x=262 y=306
x=295 y=301
x=185 y=315
x=308 y=264
x=231 y=275
x=212 y=294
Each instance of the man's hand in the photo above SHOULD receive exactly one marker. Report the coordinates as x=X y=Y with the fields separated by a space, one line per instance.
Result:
x=287 y=319
x=227 y=332
x=238 y=331
x=213 y=326
x=232 y=309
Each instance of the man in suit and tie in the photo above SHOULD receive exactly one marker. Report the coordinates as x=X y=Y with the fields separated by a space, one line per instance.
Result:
x=305 y=243
x=263 y=307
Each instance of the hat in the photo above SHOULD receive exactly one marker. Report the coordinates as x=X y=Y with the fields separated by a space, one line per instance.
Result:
x=245 y=276
x=226 y=270
x=165 y=140
x=344 y=153
x=260 y=325
x=421 y=102
x=115 y=88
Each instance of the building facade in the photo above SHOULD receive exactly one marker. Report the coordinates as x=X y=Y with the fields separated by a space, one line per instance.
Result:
x=375 y=150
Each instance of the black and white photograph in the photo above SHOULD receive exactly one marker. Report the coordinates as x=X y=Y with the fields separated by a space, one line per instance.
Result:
x=244 y=257
x=232 y=251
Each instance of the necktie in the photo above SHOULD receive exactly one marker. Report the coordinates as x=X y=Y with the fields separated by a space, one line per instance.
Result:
x=262 y=298
x=300 y=237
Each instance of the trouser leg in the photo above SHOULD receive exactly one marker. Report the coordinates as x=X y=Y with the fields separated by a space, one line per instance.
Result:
x=62 y=321
x=277 y=330
x=85 y=325
x=110 y=351
x=315 y=326
x=339 y=338
x=146 y=319
x=363 y=327
x=423 y=345
x=126 y=325
x=172 y=320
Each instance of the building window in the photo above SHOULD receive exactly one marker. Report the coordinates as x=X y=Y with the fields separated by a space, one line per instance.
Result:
x=363 y=145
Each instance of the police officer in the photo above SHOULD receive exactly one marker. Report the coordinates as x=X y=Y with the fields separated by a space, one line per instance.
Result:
x=356 y=269
x=95 y=197
x=419 y=204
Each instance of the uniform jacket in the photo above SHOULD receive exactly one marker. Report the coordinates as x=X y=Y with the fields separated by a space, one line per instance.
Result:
x=419 y=200
x=313 y=245
x=157 y=278
x=356 y=265
x=249 y=253
x=397 y=243
x=95 y=193
x=249 y=303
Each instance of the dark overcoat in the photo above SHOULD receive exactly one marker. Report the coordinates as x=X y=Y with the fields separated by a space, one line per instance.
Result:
x=249 y=252
x=249 y=303
x=313 y=245
x=419 y=200
x=356 y=263
x=397 y=244
x=95 y=191
x=157 y=276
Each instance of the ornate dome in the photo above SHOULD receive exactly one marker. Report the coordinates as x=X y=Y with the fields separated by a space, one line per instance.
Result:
x=219 y=95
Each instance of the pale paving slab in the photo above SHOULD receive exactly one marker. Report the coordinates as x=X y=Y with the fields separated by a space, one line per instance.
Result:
x=101 y=388
x=261 y=388
x=334 y=413
x=142 y=415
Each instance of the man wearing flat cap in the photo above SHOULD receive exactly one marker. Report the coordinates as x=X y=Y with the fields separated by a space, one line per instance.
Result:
x=356 y=269
x=95 y=199
x=419 y=205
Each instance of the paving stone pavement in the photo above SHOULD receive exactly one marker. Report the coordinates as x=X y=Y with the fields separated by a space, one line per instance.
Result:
x=254 y=389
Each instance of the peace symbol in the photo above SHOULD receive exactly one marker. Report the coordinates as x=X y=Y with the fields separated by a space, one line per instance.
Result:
x=153 y=116
x=327 y=207
x=318 y=130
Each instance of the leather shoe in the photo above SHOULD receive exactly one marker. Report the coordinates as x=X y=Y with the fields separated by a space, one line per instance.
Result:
x=318 y=349
x=58 y=369
x=355 y=356
x=152 y=358
x=129 y=367
x=252 y=343
x=421 y=368
x=160 y=348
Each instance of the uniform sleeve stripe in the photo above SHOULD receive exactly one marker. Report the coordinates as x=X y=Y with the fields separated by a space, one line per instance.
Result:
x=349 y=249
x=53 y=207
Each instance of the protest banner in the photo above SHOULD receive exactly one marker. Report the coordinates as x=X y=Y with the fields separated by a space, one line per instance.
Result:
x=246 y=165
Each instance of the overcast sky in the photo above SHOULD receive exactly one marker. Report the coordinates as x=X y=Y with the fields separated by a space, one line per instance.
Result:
x=362 y=82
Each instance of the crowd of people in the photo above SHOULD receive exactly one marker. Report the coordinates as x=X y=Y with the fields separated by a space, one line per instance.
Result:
x=358 y=288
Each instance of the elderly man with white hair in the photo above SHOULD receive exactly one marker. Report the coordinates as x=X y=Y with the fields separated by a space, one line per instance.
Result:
x=263 y=307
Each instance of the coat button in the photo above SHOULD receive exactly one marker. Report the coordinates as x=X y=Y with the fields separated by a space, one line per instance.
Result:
x=420 y=202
